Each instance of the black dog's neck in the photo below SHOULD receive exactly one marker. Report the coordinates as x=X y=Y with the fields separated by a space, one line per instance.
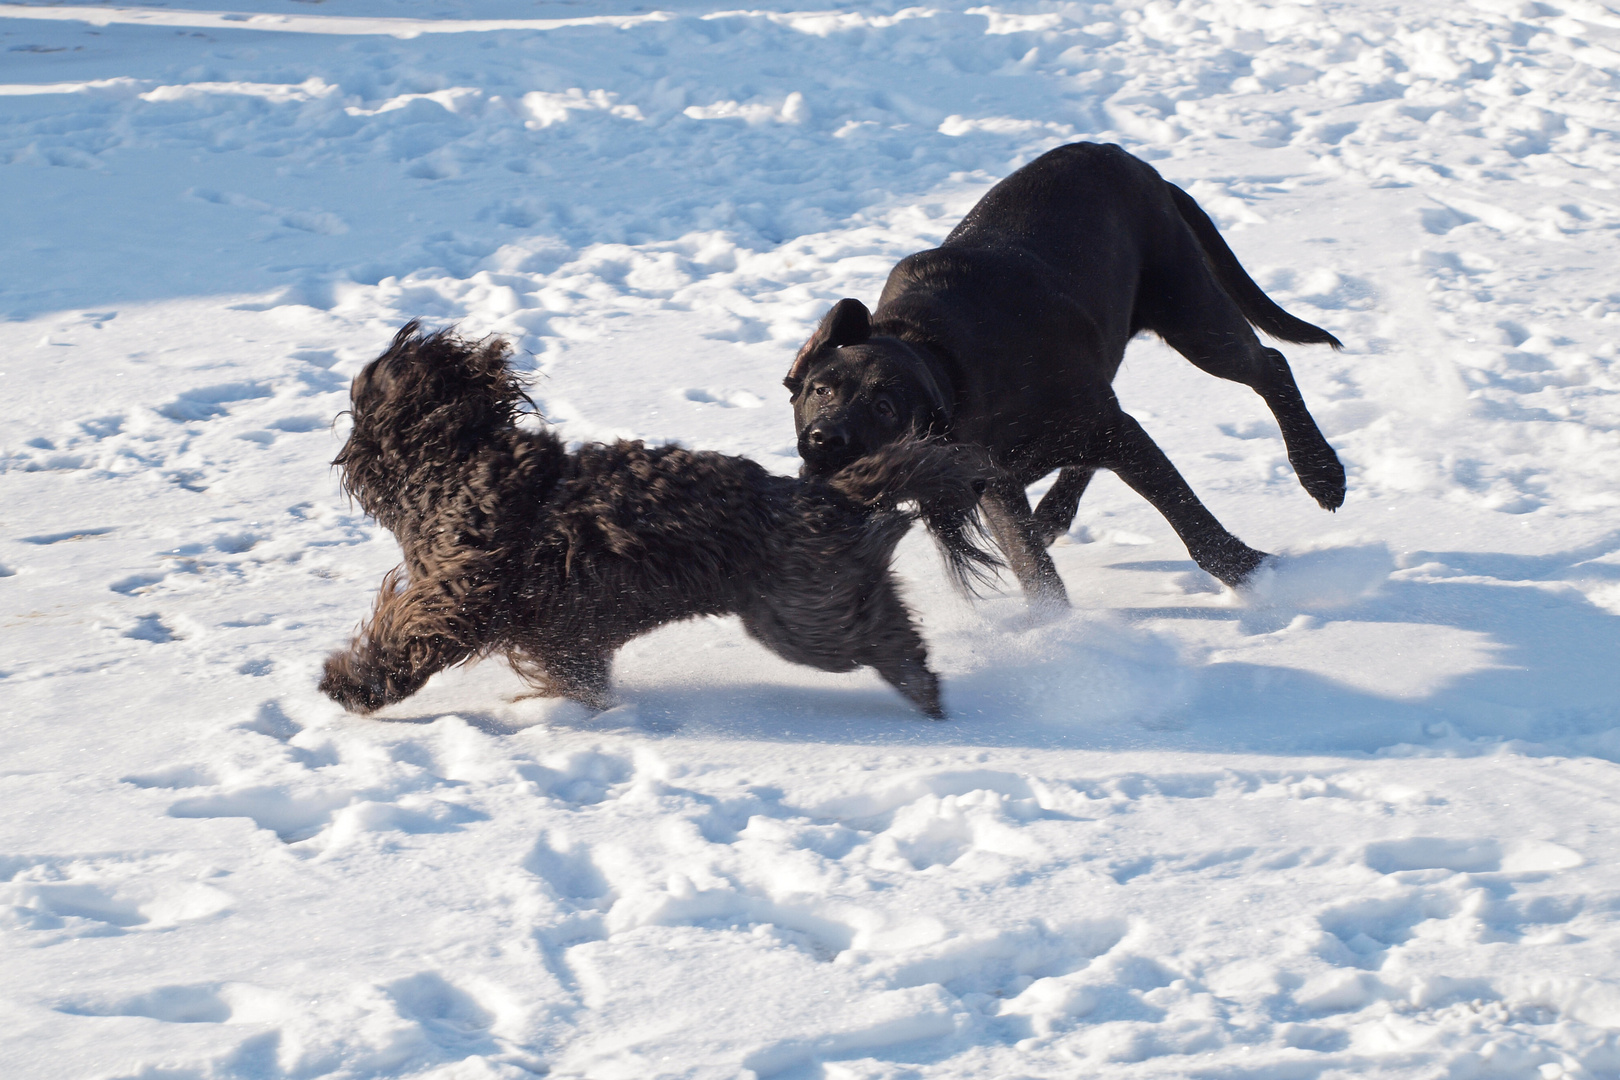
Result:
x=941 y=361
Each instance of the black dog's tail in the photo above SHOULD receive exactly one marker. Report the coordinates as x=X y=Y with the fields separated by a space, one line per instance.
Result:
x=945 y=480
x=1257 y=307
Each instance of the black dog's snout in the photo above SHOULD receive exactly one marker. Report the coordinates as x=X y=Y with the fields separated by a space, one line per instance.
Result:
x=827 y=437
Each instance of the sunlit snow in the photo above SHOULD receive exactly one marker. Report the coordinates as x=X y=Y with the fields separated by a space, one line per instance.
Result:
x=1361 y=820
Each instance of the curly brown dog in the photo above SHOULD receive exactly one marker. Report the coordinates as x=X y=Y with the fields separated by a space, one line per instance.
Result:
x=513 y=545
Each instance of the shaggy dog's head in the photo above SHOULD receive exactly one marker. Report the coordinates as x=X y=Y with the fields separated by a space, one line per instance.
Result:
x=427 y=403
x=854 y=393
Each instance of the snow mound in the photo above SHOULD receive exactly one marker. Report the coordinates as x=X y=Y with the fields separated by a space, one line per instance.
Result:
x=1318 y=578
x=1079 y=672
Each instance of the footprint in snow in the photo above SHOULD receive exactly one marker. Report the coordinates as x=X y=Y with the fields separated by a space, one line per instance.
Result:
x=726 y=399
x=197 y=1003
x=83 y=909
x=208 y=402
x=1470 y=856
x=292 y=815
x=65 y=537
x=583 y=777
x=173 y=777
x=272 y=720
x=152 y=628
x=450 y=1016
x=102 y=427
x=298 y=425
x=172 y=1004
x=568 y=870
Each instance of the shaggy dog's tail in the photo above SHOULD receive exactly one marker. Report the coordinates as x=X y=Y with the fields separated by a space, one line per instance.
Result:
x=945 y=480
x=1257 y=307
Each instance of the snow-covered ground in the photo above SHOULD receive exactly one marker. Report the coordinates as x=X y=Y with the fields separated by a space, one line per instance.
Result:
x=1360 y=822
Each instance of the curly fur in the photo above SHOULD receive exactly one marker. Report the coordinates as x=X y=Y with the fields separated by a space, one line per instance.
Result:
x=514 y=546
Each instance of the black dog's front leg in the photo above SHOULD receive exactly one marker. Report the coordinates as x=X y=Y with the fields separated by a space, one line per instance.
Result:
x=1055 y=513
x=1006 y=511
x=412 y=634
x=1132 y=454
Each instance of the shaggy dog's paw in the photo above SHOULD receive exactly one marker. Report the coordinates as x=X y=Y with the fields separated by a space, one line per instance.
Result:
x=341 y=683
x=920 y=686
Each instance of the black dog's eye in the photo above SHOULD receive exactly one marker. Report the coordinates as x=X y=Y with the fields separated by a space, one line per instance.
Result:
x=884 y=408
x=823 y=391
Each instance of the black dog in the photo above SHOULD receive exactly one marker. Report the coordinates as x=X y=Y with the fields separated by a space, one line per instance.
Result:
x=514 y=546
x=1008 y=335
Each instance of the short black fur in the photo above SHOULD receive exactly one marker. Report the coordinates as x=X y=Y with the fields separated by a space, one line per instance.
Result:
x=1008 y=335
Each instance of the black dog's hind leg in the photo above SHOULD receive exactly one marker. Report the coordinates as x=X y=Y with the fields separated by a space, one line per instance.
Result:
x=1055 y=512
x=1204 y=325
x=1006 y=511
x=413 y=633
x=1320 y=472
x=1130 y=452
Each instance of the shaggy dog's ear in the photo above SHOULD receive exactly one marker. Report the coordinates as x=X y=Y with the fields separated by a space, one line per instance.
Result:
x=848 y=323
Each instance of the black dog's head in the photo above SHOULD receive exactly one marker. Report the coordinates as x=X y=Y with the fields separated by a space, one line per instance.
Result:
x=428 y=400
x=853 y=392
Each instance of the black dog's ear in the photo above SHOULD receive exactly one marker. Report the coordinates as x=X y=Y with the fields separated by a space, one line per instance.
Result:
x=848 y=323
x=938 y=404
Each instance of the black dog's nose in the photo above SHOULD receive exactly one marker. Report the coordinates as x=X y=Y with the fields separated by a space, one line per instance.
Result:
x=827 y=438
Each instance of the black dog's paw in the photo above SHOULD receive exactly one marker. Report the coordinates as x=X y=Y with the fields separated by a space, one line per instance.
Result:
x=1324 y=481
x=1231 y=562
x=1321 y=474
x=343 y=685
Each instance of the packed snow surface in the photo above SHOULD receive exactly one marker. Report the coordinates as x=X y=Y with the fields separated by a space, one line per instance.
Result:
x=1360 y=820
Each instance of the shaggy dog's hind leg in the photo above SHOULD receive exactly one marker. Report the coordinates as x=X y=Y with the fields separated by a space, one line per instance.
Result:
x=910 y=676
x=412 y=634
x=862 y=623
x=895 y=649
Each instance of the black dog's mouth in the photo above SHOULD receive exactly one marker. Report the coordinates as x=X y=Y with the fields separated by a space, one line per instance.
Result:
x=824 y=461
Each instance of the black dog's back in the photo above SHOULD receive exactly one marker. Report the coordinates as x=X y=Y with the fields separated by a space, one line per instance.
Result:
x=1069 y=278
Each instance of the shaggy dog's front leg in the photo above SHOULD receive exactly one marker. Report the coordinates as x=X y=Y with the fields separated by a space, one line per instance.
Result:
x=413 y=633
x=582 y=675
